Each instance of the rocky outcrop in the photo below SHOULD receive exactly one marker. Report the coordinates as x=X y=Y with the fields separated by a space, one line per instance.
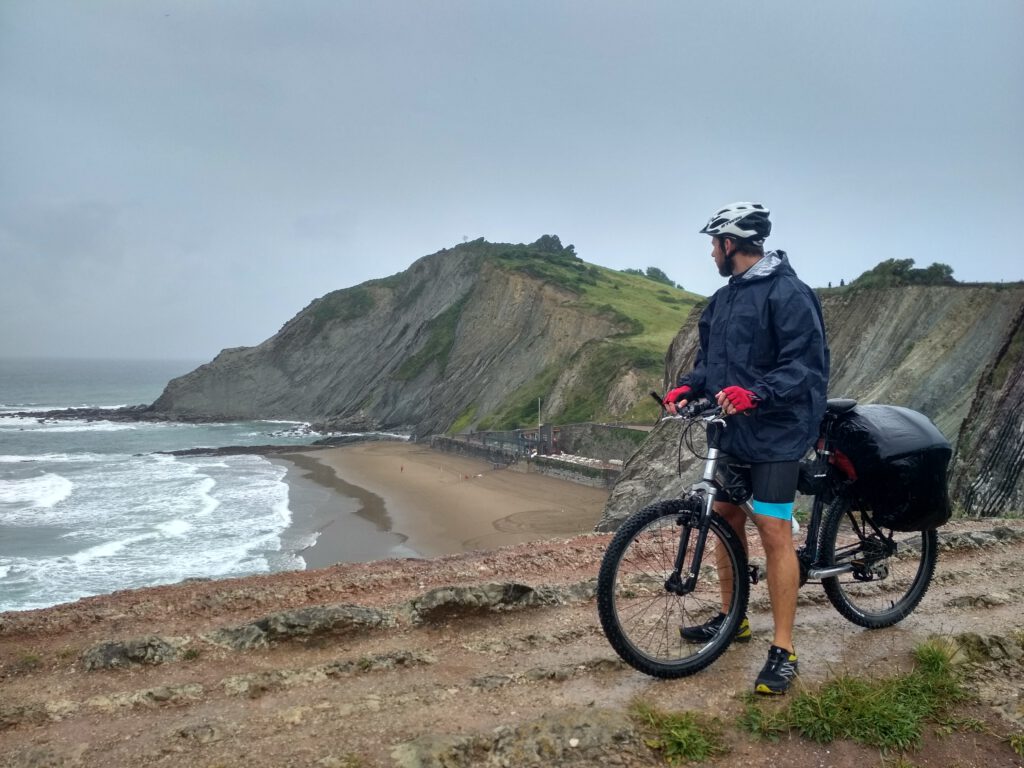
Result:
x=988 y=479
x=955 y=353
x=449 y=340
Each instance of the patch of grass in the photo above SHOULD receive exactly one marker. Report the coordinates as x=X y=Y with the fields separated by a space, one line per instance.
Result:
x=899 y=761
x=649 y=312
x=888 y=713
x=521 y=410
x=655 y=315
x=27 y=661
x=547 y=260
x=440 y=340
x=346 y=304
x=190 y=654
x=1017 y=742
x=606 y=362
x=680 y=736
x=391 y=281
x=463 y=421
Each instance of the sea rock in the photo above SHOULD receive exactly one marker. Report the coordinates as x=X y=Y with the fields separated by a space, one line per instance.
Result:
x=445 y=603
x=579 y=734
x=300 y=624
x=120 y=654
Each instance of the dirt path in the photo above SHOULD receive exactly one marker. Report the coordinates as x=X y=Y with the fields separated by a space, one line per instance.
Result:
x=413 y=685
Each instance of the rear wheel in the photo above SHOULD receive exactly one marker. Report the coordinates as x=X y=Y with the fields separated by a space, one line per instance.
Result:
x=642 y=618
x=891 y=570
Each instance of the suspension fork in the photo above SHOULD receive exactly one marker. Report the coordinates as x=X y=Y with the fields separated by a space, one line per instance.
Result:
x=707 y=491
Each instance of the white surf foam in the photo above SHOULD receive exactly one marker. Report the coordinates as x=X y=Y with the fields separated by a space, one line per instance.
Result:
x=154 y=519
x=88 y=426
x=175 y=527
x=43 y=492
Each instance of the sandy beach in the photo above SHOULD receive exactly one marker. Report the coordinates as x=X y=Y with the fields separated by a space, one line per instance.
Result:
x=392 y=499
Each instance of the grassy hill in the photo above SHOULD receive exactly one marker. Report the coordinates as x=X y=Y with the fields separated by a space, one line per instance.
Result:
x=648 y=312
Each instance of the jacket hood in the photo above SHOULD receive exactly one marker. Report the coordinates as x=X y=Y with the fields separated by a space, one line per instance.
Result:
x=773 y=263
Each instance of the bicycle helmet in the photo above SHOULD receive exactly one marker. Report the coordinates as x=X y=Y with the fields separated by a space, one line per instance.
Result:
x=742 y=221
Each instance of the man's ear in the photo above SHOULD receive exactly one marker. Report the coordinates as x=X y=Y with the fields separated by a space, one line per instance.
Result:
x=726 y=242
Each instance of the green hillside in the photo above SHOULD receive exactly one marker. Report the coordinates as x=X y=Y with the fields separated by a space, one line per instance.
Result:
x=649 y=313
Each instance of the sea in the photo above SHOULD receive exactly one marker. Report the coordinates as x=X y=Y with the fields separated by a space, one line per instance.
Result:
x=91 y=507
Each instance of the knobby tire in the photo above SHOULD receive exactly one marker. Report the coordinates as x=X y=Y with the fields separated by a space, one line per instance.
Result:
x=901 y=579
x=641 y=618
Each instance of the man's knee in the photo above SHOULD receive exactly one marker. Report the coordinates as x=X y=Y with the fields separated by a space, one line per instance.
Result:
x=776 y=535
x=733 y=515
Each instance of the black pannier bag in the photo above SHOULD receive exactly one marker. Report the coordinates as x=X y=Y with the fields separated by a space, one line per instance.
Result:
x=900 y=458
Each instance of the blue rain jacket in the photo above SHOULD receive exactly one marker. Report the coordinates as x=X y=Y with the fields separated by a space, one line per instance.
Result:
x=764 y=331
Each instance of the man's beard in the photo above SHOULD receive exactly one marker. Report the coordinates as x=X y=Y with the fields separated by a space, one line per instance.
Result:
x=727 y=264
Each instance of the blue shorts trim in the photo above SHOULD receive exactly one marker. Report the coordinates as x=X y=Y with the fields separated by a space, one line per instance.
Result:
x=783 y=511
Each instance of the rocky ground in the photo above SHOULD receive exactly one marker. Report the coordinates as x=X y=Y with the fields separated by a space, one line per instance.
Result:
x=490 y=659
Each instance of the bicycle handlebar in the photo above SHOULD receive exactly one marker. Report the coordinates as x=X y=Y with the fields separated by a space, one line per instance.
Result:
x=698 y=408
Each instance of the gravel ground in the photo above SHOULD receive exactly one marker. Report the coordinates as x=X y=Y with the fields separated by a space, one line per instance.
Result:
x=367 y=665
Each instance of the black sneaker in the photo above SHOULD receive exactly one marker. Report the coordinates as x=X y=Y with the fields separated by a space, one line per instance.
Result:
x=702 y=633
x=778 y=672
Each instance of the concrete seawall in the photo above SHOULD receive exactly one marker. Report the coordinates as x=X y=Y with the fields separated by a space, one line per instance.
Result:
x=603 y=476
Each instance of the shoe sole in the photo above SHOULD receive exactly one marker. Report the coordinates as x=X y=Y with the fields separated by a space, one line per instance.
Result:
x=764 y=690
x=745 y=637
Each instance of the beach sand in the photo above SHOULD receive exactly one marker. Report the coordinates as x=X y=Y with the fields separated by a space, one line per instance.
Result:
x=391 y=499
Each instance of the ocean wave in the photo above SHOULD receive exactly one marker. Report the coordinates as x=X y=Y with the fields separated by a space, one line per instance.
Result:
x=34 y=493
x=86 y=426
x=105 y=550
x=12 y=422
x=153 y=519
x=57 y=458
x=176 y=527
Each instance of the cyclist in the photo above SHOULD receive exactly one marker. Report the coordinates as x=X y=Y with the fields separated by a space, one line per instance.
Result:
x=763 y=354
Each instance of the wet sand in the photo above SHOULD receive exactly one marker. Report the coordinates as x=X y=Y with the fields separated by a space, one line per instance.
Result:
x=390 y=499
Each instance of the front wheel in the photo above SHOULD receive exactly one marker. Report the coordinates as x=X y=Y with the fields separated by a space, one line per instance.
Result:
x=642 y=617
x=891 y=570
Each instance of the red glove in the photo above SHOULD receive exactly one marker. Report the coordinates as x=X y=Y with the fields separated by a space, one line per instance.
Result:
x=740 y=398
x=677 y=394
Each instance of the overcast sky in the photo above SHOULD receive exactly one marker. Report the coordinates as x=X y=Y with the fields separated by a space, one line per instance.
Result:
x=179 y=177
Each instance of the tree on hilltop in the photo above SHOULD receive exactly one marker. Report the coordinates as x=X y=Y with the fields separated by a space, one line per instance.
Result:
x=892 y=272
x=652 y=273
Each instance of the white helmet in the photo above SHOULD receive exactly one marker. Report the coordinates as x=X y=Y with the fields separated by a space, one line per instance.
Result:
x=743 y=221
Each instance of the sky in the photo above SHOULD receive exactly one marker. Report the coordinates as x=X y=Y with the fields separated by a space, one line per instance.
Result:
x=178 y=177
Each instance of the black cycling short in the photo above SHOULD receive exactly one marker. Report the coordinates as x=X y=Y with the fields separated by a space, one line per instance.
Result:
x=772 y=484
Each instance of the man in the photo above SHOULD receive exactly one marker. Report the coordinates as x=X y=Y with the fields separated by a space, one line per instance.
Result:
x=763 y=357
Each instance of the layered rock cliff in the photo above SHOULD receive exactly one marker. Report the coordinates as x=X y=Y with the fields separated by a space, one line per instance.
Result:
x=462 y=337
x=953 y=352
x=989 y=479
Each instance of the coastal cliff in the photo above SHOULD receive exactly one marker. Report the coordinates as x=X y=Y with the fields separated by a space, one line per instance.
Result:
x=496 y=336
x=953 y=352
x=470 y=336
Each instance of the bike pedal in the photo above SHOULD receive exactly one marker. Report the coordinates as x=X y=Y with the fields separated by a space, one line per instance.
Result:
x=755 y=575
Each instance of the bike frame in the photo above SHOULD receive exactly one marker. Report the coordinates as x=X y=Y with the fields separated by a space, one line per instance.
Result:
x=708 y=489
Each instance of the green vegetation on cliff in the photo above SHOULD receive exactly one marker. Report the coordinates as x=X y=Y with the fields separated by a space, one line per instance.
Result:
x=440 y=340
x=344 y=305
x=647 y=310
x=892 y=272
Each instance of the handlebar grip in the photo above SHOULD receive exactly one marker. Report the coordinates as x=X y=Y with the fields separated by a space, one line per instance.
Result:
x=698 y=407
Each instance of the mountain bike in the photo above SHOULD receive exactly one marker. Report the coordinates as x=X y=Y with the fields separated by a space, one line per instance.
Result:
x=675 y=563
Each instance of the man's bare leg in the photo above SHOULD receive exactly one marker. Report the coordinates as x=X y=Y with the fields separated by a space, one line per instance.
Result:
x=737 y=520
x=783 y=575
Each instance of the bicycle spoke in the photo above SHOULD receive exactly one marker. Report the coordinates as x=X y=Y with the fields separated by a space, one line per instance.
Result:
x=642 y=617
x=890 y=570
